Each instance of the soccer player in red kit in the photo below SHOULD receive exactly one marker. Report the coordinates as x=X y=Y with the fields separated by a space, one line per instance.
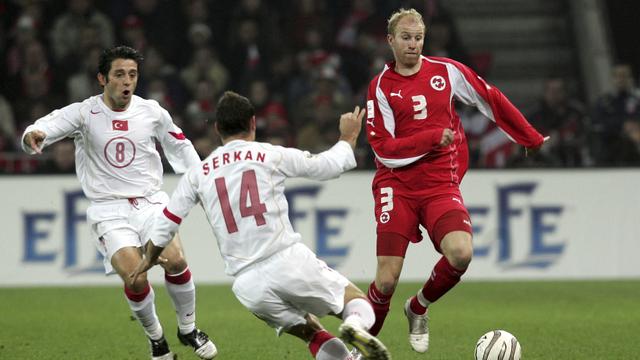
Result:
x=421 y=156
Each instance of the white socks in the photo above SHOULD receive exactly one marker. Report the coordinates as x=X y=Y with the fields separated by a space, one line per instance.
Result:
x=145 y=311
x=182 y=291
x=332 y=349
x=359 y=312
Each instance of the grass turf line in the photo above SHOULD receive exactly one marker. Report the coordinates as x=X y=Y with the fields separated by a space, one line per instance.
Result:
x=552 y=320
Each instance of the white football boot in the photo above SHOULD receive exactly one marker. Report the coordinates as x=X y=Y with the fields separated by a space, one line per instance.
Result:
x=418 y=329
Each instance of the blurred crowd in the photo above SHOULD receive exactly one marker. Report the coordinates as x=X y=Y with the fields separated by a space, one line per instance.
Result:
x=302 y=63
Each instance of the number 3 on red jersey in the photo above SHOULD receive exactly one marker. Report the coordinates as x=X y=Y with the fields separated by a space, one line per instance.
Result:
x=419 y=103
x=419 y=107
x=248 y=187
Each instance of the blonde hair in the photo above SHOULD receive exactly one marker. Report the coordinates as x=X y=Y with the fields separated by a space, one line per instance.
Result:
x=396 y=16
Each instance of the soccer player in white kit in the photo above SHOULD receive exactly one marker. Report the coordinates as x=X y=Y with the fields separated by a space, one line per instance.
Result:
x=120 y=171
x=240 y=186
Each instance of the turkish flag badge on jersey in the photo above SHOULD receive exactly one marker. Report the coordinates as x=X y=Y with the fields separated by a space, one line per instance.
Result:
x=122 y=125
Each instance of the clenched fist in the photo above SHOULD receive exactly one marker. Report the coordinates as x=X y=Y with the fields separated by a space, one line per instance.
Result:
x=34 y=140
x=447 y=137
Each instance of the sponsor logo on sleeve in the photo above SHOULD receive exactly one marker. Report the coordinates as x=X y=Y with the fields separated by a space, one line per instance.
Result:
x=370 y=111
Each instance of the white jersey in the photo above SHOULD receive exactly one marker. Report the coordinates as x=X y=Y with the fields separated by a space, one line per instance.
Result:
x=116 y=154
x=241 y=188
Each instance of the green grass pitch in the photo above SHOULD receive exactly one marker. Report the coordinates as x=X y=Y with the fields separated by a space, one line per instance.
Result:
x=552 y=320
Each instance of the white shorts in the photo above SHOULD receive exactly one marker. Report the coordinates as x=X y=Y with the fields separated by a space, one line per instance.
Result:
x=292 y=283
x=122 y=223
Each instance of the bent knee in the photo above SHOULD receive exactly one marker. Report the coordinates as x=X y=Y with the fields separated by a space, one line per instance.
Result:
x=139 y=285
x=175 y=264
x=460 y=257
x=386 y=283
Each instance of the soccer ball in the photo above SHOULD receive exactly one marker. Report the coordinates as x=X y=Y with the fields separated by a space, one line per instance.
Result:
x=497 y=345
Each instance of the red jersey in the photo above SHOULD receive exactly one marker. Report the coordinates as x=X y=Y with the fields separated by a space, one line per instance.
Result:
x=407 y=114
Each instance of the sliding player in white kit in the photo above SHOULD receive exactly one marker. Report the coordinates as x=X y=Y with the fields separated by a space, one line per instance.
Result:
x=120 y=171
x=241 y=188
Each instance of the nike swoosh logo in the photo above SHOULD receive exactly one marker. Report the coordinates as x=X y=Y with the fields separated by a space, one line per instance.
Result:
x=189 y=314
x=98 y=112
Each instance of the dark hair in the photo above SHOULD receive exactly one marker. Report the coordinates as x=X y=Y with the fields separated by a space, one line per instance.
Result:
x=233 y=114
x=117 y=52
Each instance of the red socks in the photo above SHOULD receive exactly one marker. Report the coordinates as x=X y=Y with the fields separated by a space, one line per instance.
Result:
x=137 y=297
x=380 y=303
x=317 y=340
x=443 y=278
x=178 y=279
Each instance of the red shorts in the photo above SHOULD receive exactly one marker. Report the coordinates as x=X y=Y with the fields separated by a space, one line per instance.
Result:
x=399 y=215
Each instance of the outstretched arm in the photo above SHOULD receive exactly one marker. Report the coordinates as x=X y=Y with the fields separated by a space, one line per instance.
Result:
x=330 y=163
x=471 y=89
x=165 y=226
x=51 y=128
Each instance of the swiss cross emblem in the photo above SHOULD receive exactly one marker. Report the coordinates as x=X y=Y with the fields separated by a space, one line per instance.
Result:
x=121 y=125
x=438 y=83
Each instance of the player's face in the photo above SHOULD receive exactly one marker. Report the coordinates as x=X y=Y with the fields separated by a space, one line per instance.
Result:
x=121 y=82
x=407 y=42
